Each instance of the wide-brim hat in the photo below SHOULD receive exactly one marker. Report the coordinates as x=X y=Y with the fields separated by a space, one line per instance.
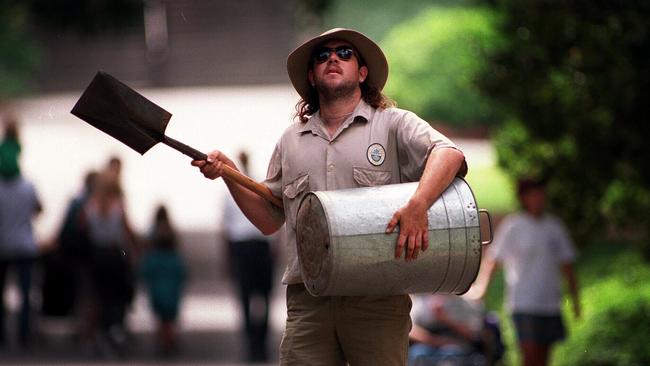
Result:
x=298 y=60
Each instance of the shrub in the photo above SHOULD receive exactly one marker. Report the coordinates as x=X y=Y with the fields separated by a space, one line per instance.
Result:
x=434 y=60
x=616 y=320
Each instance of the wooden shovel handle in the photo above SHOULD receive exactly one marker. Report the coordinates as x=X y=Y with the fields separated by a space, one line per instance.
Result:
x=228 y=172
x=187 y=150
x=264 y=191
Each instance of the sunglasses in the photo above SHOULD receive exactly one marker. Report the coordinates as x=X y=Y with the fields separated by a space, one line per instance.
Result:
x=342 y=52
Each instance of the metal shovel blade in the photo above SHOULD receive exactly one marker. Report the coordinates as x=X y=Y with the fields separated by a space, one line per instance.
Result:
x=122 y=113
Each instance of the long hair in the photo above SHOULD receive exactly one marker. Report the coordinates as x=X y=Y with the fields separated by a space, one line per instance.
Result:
x=163 y=235
x=369 y=93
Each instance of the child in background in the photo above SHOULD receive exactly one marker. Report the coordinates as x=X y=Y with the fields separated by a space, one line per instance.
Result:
x=164 y=272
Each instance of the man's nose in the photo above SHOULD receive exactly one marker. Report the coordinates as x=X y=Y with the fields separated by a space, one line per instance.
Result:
x=333 y=57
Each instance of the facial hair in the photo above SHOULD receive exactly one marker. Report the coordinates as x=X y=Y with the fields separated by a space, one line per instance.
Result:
x=341 y=91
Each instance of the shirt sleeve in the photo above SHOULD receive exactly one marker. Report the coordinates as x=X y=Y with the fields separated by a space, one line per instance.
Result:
x=566 y=251
x=228 y=214
x=416 y=139
x=502 y=239
x=274 y=172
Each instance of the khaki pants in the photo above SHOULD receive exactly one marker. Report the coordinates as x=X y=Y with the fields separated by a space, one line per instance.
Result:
x=359 y=330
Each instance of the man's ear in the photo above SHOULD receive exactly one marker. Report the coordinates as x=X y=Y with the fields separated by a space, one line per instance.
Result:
x=310 y=75
x=363 y=73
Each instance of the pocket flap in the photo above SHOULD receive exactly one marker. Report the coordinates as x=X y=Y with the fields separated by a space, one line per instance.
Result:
x=299 y=185
x=370 y=178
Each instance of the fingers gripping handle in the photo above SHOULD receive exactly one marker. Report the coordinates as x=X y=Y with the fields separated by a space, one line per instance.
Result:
x=228 y=172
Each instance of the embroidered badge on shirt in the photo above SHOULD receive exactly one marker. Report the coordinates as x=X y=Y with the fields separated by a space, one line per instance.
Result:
x=376 y=154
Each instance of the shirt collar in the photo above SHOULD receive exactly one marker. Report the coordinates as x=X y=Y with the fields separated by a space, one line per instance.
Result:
x=361 y=113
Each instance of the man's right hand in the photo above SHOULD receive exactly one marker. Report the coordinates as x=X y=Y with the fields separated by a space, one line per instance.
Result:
x=212 y=168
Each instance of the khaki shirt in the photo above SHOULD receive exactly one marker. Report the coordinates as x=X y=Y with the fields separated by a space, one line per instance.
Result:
x=372 y=147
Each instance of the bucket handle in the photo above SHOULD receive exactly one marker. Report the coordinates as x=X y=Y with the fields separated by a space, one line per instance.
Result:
x=484 y=211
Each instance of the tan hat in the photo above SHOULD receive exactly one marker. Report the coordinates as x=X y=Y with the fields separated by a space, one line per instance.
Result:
x=298 y=60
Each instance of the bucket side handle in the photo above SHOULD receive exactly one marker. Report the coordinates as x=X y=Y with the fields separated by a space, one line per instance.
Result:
x=489 y=217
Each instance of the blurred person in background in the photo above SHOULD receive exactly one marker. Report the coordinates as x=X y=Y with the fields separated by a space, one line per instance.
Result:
x=164 y=273
x=113 y=255
x=251 y=266
x=18 y=248
x=113 y=170
x=446 y=328
x=347 y=135
x=75 y=248
x=535 y=250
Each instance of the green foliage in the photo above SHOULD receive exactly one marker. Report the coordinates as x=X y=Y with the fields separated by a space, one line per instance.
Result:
x=435 y=58
x=525 y=156
x=574 y=77
x=18 y=54
x=378 y=19
x=492 y=188
x=614 y=327
x=625 y=199
x=615 y=293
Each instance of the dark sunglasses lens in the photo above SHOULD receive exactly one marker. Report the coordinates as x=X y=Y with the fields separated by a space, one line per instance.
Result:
x=322 y=55
x=344 y=53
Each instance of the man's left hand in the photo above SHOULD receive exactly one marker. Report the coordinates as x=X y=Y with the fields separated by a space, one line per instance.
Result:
x=413 y=229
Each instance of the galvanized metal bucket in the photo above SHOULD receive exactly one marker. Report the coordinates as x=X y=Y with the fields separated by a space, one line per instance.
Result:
x=344 y=251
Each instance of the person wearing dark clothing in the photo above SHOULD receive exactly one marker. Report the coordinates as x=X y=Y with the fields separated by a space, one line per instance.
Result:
x=65 y=264
x=251 y=263
x=112 y=257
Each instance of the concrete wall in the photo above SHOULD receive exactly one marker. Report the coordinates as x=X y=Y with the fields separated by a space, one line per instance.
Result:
x=203 y=42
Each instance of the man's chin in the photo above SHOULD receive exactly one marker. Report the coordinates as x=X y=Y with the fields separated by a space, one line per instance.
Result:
x=336 y=90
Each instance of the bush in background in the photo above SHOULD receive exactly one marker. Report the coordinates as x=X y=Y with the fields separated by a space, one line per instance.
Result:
x=616 y=316
x=18 y=53
x=435 y=58
x=378 y=18
x=574 y=79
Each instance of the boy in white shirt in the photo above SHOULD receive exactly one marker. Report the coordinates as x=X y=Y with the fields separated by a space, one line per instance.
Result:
x=534 y=249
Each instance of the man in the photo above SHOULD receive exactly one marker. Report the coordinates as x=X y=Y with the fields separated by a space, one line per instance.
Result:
x=534 y=248
x=19 y=204
x=348 y=136
x=251 y=263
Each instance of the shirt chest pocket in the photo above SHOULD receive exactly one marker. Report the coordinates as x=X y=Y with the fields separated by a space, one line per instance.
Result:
x=293 y=192
x=365 y=177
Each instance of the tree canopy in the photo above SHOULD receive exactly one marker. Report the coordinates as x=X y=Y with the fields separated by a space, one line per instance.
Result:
x=18 y=53
x=574 y=79
x=435 y=59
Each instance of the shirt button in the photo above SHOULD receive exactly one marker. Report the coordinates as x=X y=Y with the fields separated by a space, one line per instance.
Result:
x=330 y=168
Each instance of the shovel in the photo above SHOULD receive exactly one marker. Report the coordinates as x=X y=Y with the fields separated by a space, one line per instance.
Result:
x=123 y=113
